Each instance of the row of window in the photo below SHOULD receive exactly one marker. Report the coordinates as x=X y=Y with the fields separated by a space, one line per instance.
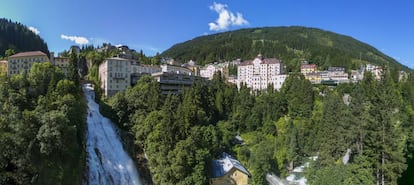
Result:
x=28 y=60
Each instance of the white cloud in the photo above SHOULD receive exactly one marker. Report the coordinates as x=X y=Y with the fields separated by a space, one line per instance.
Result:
x=226 y=18
x=34 y=30
x=76 y=39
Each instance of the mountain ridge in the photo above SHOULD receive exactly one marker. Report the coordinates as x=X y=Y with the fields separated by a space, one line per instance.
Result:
x=16 y=36
x=291 y=44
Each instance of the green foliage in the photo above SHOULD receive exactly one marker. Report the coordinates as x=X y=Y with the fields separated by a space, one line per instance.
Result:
x=42 y=127
x=299 y=95
x=181 y=134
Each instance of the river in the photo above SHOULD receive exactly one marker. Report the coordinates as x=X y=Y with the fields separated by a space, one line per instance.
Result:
x=107 y=161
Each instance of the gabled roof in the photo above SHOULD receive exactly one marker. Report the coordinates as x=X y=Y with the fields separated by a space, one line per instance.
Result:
x=223 y=165
x=27 y=54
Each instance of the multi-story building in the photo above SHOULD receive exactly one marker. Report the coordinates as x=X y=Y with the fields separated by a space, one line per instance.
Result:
x=61 y=62
x=173 y=83
x=22 y=62
x=338 y=74
x=114 y=74
x=208 y=71
x=228 y=170
x=257 y=74
x=308 y=68
x=147 y=69
x=165 y=68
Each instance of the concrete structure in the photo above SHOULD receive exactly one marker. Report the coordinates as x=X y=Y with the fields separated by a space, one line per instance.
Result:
x=22 y=62
x=228 y=170
x=176 y=69
x=147 y=69
x=61 y=62
x=114 y=74
x=338 y=74
x=208 y=71
x=173 y=83
x=259 y=73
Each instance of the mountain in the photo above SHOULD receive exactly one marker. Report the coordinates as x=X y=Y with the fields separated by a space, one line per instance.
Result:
x=16 y=36
x=293 y=45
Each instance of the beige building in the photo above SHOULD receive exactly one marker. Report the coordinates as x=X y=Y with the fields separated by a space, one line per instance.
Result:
x=114 y=74
x=228 y=170
x=61 y=62
x=22 y=62
x=259 y=73
x=308 y=68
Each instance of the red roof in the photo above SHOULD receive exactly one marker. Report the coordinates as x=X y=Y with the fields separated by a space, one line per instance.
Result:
x=303 y=66
x=28 y=54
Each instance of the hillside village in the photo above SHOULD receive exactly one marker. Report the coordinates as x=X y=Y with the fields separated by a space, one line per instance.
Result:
x=124 y=70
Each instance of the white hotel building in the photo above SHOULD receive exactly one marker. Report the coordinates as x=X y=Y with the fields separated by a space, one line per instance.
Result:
x=259 y=73
x=114 y=74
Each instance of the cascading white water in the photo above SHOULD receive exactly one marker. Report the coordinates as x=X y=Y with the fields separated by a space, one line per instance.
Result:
x=107 y=161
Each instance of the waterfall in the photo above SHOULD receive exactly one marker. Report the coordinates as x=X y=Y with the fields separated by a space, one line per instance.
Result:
x=107 y=161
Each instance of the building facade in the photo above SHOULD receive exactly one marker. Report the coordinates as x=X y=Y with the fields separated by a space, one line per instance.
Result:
x=114 y=75
x=172 y=83
x=144 y=69
x=165 y=68
x=22 y=62
x=208 y=71
x=259 y=73
x=61 y=62
x=228 y=170
x=338 y=74
x=308 y=68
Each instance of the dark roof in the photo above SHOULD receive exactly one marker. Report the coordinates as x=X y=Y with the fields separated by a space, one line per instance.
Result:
x=30 y=53
x=264 y=61
x=225 y=164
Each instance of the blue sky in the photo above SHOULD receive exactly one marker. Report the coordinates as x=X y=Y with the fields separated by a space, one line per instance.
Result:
x=156 y=25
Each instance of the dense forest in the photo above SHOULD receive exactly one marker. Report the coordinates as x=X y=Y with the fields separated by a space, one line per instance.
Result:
x=292 y=45
x=181 y=134
x=42 y=124
x=18 y=38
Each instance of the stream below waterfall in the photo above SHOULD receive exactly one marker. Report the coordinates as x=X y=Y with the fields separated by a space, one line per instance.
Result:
x=107 y=163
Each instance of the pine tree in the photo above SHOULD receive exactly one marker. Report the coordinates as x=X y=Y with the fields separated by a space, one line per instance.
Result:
x=73 y=73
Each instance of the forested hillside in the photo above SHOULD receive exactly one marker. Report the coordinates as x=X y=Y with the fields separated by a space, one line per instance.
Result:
x=291 y=44
x=181 y=134
x=42 y=124
x=19 y=38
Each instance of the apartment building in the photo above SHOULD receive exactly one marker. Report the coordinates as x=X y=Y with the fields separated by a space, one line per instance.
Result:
x=22 y=62
x=257 y=74
x=114 y=74
x=61 y=62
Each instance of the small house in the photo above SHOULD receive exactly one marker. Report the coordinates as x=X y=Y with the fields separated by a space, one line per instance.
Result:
x=228 y=170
